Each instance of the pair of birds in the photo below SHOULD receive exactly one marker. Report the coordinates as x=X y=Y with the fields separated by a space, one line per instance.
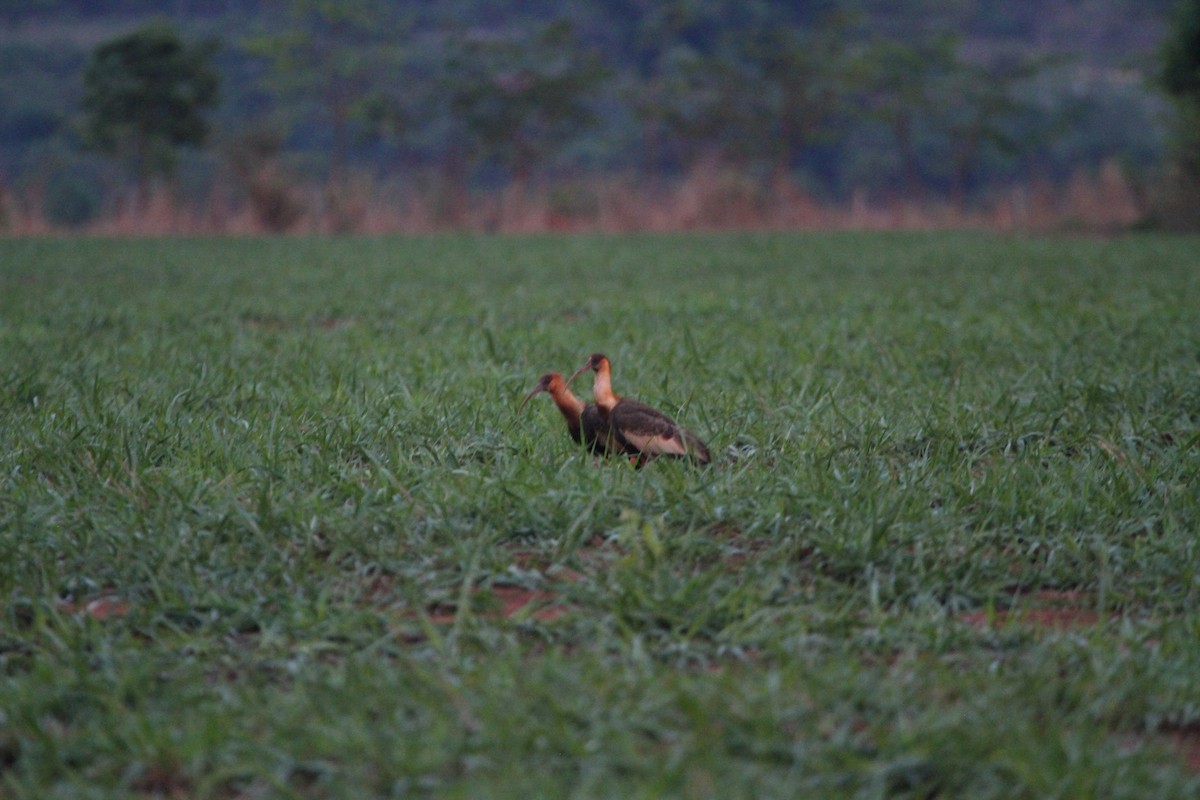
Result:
x=615 y=424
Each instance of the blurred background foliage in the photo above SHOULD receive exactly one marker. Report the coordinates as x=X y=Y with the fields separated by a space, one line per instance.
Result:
x=926 y=100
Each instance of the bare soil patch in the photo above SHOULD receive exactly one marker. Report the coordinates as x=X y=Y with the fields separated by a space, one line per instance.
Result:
x=1046 y=609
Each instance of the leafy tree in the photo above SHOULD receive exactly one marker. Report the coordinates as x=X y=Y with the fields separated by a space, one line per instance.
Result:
x=1179 y=77
x=925 y=93
x=802 y=73
x=894 y=83
x=977 y=108
x=750 y=82
x=144 y=97
x=692 y=98
x=693 y=106
x=518 y=96
x=342 y=57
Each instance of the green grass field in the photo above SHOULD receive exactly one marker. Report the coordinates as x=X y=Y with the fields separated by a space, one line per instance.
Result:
x=271 y=527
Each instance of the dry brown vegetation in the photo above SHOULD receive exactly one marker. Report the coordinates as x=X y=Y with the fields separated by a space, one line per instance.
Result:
x=710 y=197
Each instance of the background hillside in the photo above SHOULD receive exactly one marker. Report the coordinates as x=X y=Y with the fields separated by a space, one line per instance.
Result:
x=326 y=109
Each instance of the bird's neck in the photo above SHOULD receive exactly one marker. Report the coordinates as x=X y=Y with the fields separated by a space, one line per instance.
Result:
x=570 y=405
x=602 y=390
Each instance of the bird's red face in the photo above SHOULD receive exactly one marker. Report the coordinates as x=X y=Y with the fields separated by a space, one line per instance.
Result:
x=550 y=382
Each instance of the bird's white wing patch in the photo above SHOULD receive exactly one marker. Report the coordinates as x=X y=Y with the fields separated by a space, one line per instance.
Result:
x=655 y=444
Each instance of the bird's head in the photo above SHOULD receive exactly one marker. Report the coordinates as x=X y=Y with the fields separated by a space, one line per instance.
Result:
x=595 y=362
x=550 y=382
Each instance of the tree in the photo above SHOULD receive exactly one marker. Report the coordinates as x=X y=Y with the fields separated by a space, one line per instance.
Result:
x=802 y=71
x=144 y=97
x=691 y=98
x=894 y=81
x=694 y=107
x=978 y=105
x=519 y=96
x=749 y=82
x=1179 y=77
x=340 y=56
x=925 y=93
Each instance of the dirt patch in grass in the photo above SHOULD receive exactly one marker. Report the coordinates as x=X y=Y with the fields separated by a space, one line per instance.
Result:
x=99 y=608
x=1185 y=740
x=499 y=598
x=531 y=561
x=738 y=549
x=1046 y=609
x=378 y=588
x=163 y=779
x=504 y=602
x=333 y=323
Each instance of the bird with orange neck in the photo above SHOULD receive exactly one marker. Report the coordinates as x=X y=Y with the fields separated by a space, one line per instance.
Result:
x=585 y=422
x=637 y=428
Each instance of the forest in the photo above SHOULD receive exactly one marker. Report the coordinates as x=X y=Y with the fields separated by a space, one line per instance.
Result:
x=618 y=115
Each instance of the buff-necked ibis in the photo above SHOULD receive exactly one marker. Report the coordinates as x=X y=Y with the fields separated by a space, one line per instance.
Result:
x=585 y=422
x=639 y=429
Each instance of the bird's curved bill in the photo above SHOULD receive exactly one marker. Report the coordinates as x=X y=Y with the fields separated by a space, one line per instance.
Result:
x=536 y=390
x=586 y=366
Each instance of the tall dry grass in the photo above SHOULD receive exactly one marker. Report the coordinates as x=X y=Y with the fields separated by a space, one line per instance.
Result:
x=712 y=197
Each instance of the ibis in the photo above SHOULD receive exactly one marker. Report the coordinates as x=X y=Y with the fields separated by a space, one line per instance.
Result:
x=637 y=428
x=585 y=422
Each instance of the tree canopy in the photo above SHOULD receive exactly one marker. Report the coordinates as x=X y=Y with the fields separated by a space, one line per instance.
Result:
x=1180 y=75
x=144 y=96
x=916 y=97
x=1180 y=79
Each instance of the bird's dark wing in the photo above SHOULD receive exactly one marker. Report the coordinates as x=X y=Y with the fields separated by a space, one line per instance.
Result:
x=597 y=433
x=573 y=429
x=652 y=433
